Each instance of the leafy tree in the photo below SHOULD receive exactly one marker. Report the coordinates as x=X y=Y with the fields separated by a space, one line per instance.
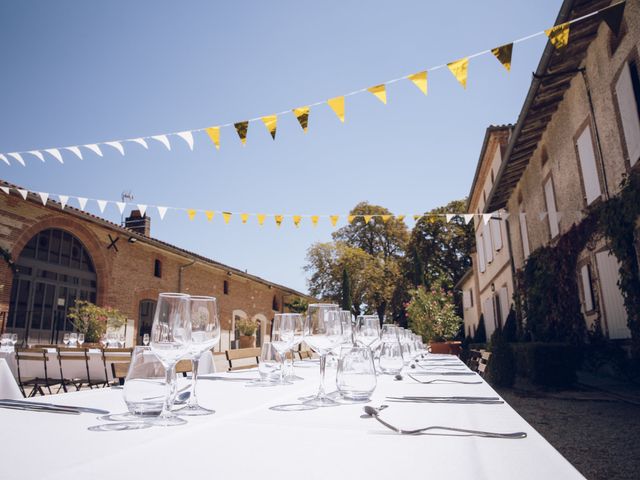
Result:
x=297 y=305
x=432 y=314
x=346 y=291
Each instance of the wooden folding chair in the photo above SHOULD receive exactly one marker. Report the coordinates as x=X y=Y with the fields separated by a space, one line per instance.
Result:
x=112 y=356
x=242 y=354
x=119 y=371
x=67 y=356
x=485 y=356
x=184 y=367
x=34 y=356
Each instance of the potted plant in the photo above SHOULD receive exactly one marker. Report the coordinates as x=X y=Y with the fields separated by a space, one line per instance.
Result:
x=94 y=321
x=432 y=315
x=247 y=331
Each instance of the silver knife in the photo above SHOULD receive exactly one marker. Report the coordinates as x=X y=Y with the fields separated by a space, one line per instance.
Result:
x=463 y=402
x=42 y=408
x=98 y=411
x=443 y=373
x=409 y=397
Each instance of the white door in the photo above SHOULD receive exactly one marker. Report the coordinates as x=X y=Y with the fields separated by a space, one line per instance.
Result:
x=615 y=315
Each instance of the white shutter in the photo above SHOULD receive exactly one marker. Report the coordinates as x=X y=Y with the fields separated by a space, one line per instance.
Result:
x=614 y=312
x=466 y=304
x=504 y=304
x=489 y=317
x=629 y=114
x=524 y=235
x=496 y=234
x=552 y=214
x=480 y=247
x=588 y=164
x=586 y=288
x=488 y=247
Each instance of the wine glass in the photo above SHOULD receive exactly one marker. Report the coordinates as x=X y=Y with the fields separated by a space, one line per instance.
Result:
x=145 y=339
x=65 y=339
x=121 y=340
x=80 y=339
x=14 y=340
x=170 y=341
x=322 y=332
x=73 y=339
x=390 y=361
x=298 y=336
x=269 y=367
x=368 y=330
x=282 y=337
x=205 y=333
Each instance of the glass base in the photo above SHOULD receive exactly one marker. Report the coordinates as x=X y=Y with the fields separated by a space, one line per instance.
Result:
x=194 y=411
x=167 y=421
x=293 y=378
x=127 y=417
x=262 y=383
x=324 y=401
x=119 y=426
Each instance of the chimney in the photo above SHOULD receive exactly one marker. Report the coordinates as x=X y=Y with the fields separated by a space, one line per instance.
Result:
x=138 y=223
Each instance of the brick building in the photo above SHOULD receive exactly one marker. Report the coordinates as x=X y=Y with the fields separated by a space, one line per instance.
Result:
x=53 y=256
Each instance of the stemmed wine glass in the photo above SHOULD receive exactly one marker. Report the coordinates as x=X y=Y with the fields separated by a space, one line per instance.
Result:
x=205 y=333
x=14 y=340
x=368 y=330
x=322 y=332
x=170 y=341
x=282 y=338
x=80 y=339
x=65 y=339
x=145 y=339
x=298 y=336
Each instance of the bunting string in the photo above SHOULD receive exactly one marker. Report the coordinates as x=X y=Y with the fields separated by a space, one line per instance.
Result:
x=558 y=35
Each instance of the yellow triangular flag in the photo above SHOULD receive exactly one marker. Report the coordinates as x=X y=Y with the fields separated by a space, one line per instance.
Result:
x=314 y=220
x=242 y=128
x=271 y=122
x=367 y=218
x=296 y=220
x=503 y=54
x=244 y=217
x=420 y=80
x=302 y=114
x=385 y=218
x=209 y=214
x=400 y=218
x=559 y=35
x=380 y=91
x=278 y=219
x=460 y=69
x=226 y=216
x=214 y=134
x=337 y=105
x=261 y=217
x=334 y=219
x=191 y=213
x=350 y=218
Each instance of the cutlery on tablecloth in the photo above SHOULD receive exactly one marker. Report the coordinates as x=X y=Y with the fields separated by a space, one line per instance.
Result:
x=448 y=401
x=229 y=379
x=429 y=372
x=39 y=408
x=443 y=380
x=442 y=397
x=27 y=403
x=477 y=433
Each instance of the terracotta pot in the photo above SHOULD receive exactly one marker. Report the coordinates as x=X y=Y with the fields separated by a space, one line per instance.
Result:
x=451 y=348
x=247 y=341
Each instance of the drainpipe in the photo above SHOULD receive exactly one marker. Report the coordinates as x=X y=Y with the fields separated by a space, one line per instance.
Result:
x=180 y=270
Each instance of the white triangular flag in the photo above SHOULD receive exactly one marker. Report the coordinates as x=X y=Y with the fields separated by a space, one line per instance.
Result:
x=44 y=197
x=121 y=206
x=163 y=140
x=448 y=216
x=55 y=153
x=63 y=200
x=542 y=215
x=187 y=137
x=5 y=190
x=76 y=151
x=94 y=148
x=23 y=193
x=162 y=211
x=117 y=145
x=18 y=157
x=38 y=154
x=4 y=159
x=467 y=218
x=82 y=202
x=142 y=208
x=486 y=217
x=101 y=205
x=141 y=141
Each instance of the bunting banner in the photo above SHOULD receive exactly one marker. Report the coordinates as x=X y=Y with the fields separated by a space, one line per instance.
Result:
x=558 y=35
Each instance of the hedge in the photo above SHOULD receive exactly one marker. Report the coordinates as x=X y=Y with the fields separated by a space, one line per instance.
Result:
x=547 y=364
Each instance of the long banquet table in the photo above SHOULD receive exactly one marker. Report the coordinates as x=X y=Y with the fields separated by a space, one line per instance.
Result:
x=246 y=439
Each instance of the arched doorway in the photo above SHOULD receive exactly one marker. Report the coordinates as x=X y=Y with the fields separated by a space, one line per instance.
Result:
x=146 y=310
x=54 y=270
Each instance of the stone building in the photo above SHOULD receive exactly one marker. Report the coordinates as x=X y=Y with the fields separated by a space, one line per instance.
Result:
x=576 y=137
x=53 y=256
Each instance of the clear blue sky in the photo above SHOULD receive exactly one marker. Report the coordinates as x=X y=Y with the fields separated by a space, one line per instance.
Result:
x=76 y=72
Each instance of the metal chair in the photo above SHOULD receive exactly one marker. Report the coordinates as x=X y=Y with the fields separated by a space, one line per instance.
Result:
x=34 y=356
x=112 y=356
x=242 y=354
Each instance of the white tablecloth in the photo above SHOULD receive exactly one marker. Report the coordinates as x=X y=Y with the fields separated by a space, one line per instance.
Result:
x=245 y=439
x=8 y=386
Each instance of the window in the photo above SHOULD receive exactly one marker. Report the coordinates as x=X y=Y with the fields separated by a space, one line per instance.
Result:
x=552 y=213
x=467 y=299
x=274 y=304
x=628 y=95
x=157 y=268
x=225 y=287
x=480 y=247
x=587 y=288
x=496 y=234
x=524 y=235
x=587 y=158
x=488 y=247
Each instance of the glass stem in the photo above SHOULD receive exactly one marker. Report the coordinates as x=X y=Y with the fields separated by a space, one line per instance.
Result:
x=292 y=372
x=166 y=409
x=193 y=400
x=323 y=364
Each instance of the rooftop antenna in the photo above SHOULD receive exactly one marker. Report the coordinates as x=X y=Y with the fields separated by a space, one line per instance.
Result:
x=128 y=195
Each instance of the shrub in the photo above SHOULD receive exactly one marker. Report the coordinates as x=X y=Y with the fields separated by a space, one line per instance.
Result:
x=481 y=332
x=93 y=321
x=510 y=329
x=432 y=314
x=501 y=371
x=548 y=364
x=246 y=327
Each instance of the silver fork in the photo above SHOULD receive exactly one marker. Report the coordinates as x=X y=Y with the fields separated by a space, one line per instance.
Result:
x=436 y=380
x=477 y=433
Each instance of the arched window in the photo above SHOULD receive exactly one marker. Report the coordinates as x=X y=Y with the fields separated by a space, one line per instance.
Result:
x=53 y=271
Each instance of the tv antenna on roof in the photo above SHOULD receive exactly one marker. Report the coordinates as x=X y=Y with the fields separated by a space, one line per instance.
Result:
x=127 y=195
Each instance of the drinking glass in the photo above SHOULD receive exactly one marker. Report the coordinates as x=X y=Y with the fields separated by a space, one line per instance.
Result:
x=14 y=340
x=112 y=339
x=322 y=332
x=170 y=341
x=80 y=339
x=65 y=339
x=5 y=340
x=205 y=333
x=368 y=330
x=347 y=326
x=298 y=336
x=390 y=360
x=282 y=338
x=269 y=367
x=356 y=377
x=145 y=339
x=73 y=339
x=121 y=340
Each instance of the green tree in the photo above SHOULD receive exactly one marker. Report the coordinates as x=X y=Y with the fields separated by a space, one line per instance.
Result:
x=346 y=291
x=432 y=314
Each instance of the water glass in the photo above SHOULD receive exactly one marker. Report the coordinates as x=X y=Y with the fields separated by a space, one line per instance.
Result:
x=65 y=339
x=145 y=339
x=391 y=361
x=5 y=341
x=80 y=339
x=298 y=336
x=269 y=367
x=144 y=386
x=368 y=330
x=356 y=377
x=73 y=339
